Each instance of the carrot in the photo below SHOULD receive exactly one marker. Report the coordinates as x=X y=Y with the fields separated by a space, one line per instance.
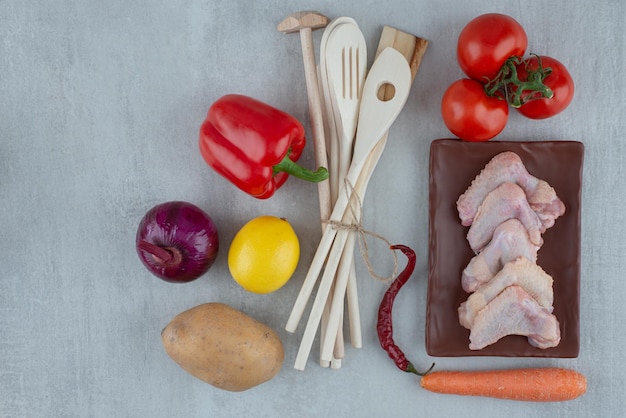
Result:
x=549 y=384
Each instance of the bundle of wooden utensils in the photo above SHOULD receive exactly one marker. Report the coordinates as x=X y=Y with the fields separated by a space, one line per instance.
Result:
x=351 y=111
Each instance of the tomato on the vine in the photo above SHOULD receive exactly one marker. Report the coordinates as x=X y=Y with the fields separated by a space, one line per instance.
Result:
x=558 y=80
x=486 y=42
x=472 y=115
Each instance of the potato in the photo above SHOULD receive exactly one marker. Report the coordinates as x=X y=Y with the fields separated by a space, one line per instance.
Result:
x=223 y=347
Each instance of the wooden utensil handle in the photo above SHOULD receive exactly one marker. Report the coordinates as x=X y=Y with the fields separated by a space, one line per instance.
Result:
x=316 y=116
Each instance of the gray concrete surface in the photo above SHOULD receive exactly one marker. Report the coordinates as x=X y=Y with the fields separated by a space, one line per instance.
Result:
x=100 y=105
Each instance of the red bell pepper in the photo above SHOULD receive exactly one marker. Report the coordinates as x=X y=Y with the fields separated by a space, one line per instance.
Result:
x=254 y=145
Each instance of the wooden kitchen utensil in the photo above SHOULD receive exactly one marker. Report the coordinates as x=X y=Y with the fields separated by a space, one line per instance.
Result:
x=375 y=116
x=304 y=23
x=345 y=56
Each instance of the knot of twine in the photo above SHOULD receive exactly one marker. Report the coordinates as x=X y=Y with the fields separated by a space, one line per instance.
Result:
x=356 y=226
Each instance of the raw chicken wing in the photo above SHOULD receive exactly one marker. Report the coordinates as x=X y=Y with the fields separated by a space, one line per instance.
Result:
x=510 y=240
x=508 y=167
x=507 y=201
x=521 y=272
x=515 y=312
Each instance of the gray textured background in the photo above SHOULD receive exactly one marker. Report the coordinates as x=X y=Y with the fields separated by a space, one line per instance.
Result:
x=100 y=105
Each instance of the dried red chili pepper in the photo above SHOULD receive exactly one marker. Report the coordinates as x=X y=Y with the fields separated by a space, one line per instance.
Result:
x=385 y=323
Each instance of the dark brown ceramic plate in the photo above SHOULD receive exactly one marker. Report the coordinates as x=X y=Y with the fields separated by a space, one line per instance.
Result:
x=453 y=165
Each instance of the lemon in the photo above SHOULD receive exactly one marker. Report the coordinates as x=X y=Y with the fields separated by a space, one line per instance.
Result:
x=264 y=254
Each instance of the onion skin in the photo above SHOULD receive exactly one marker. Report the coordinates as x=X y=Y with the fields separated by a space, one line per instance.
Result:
x=177 y=241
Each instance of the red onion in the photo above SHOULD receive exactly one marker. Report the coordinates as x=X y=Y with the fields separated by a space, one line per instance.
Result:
x=177 y=241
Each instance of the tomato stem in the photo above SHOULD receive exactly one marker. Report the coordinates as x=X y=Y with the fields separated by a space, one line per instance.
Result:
x=508 y=86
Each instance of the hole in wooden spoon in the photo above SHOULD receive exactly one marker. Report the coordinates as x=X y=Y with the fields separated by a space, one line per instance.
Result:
x=386 y=92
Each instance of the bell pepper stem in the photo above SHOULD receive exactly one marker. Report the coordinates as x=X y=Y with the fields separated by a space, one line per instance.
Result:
x=292 y=168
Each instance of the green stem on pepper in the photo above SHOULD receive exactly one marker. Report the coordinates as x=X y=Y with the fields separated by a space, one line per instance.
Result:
x=507 y=85
x=292 y=168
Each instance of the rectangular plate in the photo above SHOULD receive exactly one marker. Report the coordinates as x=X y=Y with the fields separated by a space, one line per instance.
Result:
x=453 y=165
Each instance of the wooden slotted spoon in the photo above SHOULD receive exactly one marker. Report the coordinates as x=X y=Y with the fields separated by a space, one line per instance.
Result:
x=346 y=67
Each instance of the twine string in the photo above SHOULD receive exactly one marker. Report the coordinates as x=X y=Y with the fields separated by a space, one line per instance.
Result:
x=356 y=226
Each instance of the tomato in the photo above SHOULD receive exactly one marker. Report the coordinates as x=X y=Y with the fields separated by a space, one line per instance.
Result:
x=472 y=115
x=559 y=81
x=486 y=42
